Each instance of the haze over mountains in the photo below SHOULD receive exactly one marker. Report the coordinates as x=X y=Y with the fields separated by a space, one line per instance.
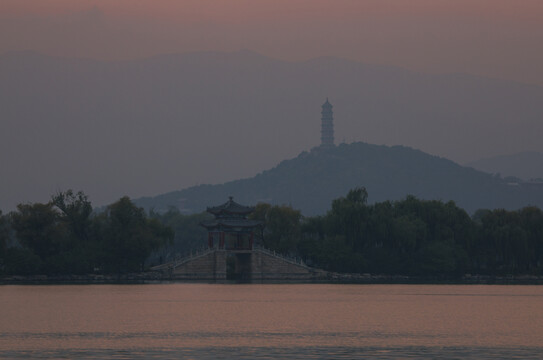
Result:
x=150 y=126
x=526 y=165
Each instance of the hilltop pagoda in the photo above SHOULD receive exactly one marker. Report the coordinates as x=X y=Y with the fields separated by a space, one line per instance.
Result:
x=327 y=125
x=231 y=230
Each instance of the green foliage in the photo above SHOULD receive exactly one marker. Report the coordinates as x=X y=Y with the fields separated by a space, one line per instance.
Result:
x=282 y=228
x=22 y=261
x=4 y=236
x=64 y=237
x=76 y=210
x=510 y=242
x=38 y=228
x=409 y=237
x=189 y=234
x=348 y=218
x=129 y=236
x=421 y=237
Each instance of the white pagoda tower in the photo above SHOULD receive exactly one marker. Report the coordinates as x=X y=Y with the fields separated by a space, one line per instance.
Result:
x=327 y=127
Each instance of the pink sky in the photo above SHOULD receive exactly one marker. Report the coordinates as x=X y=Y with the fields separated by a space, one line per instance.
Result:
x=498 y=38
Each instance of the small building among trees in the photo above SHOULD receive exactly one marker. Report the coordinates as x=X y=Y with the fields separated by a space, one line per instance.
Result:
x=232 y=254
x=231 y=230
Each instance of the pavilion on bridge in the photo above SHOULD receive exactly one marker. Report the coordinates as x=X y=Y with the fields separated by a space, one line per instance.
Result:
x=231 y=229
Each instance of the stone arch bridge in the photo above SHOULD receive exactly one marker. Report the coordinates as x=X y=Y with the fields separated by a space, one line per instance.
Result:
x=233 y=255
x=255 y=265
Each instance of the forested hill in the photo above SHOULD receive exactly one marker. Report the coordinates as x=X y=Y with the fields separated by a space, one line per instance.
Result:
x=312 y=180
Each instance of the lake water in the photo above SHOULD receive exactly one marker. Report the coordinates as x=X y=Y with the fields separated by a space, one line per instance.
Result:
x=212 y=321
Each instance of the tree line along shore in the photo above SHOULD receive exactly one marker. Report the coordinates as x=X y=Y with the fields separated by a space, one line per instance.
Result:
x=410 y=240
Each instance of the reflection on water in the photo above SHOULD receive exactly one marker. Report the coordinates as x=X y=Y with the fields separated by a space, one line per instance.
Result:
x=271 y=321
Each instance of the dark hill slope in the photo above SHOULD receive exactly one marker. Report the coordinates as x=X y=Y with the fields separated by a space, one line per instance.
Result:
x=313 y=179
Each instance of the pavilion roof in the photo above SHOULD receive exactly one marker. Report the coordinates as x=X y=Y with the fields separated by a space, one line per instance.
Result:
x=230 y=207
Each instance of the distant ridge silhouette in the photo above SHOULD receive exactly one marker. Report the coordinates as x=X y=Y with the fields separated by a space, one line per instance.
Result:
x=526 y=165
x=313 y=179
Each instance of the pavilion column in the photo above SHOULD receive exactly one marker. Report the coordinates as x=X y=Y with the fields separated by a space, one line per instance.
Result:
x=210 y=239
x=221 y=240
x=251 y=239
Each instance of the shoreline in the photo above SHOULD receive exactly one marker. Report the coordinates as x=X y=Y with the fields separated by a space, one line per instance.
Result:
x=331 y=278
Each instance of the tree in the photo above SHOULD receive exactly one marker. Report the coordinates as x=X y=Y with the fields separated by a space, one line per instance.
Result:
x=129 y=237
x=189 y=234
x=37 y=228
x=410 y=236
x=282 y=227
x=532 y=222
x=3 y=239
x=349 y=218
x=76 y=210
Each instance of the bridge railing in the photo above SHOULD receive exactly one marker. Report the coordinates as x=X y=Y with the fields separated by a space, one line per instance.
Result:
x=292 y=259
x=179 y=259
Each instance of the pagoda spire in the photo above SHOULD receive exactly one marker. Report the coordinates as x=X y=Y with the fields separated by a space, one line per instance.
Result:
x=327 y=126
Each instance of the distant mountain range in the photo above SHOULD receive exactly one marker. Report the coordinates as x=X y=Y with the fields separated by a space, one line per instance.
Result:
x=313 y=179
x=525 y=165
x=148 y=126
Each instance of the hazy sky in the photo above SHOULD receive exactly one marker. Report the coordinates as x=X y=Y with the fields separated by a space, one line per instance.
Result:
x=495 y=38
x=498 y=38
